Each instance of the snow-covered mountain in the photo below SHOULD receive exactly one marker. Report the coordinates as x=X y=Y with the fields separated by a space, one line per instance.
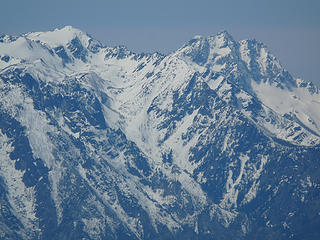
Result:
x=213 y=141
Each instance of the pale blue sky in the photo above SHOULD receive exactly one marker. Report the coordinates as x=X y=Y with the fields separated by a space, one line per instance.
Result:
x=290 y=28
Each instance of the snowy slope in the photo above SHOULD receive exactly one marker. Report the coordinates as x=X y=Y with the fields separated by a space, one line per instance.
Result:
x=100 y=142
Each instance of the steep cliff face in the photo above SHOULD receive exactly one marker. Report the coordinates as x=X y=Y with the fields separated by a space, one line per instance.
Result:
x=213 y=141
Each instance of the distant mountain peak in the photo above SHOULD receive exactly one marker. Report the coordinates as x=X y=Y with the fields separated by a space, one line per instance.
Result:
x=264 y=65
x=224 y=35
x=202 y=50
x=60 y=37
x=68 y=28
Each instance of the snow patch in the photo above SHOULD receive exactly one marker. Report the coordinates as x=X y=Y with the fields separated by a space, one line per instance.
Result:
x=231 y=195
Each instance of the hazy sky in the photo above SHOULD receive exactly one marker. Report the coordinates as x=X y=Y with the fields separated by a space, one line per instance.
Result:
x=290 y=28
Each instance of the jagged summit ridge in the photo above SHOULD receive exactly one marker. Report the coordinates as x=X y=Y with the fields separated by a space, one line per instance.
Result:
x=219 y=60
x=203 y=50
x=223 y=53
